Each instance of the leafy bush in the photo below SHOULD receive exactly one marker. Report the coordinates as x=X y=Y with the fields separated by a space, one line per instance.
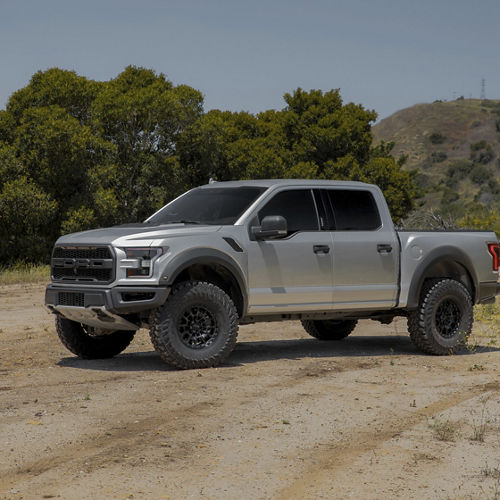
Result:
x=459 y=169
x=437 y=138
x=494 y=187
x=481 y=152
x=449 y=196
x=476 y=146
x=486 y=156
x=480 y=217
x=438 y=157
x=480 y=174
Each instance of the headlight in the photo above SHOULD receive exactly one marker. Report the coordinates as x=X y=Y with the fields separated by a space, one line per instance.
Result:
x=139 y=261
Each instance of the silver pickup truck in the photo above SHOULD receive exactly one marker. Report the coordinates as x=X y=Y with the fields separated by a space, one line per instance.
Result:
x=229 y=253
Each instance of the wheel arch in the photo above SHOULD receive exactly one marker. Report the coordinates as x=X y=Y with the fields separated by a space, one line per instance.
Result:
x=444 y=262
x=207 y=264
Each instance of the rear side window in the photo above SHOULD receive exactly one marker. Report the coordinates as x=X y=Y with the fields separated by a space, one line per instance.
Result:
x=354 y=210
x=296 y=206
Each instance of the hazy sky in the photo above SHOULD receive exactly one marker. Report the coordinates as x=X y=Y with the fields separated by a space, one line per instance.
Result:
x=244 y=55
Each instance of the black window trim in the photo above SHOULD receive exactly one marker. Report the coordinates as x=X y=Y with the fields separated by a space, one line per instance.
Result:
x=332 y=212
x=326 y=220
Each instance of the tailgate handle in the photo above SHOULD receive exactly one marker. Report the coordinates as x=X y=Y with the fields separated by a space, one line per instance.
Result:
x=384 y=248
x=321 y=248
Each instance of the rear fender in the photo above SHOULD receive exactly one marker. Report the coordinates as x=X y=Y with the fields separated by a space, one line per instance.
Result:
x=443 y=262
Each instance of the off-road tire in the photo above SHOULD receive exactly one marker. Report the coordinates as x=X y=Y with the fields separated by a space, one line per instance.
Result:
x=443 y=320
x=78 y=339
x=197 y=326
x=329 y=329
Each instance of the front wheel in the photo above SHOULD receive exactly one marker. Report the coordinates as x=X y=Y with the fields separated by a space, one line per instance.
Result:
x=197 y=327
x=443 y=321
x=90 y=343
x=329 y=329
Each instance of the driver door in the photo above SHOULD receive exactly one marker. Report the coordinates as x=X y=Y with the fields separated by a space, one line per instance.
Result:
x=293 y=273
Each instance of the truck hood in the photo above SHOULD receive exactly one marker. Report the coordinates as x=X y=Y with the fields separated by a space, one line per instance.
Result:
x=133 y=233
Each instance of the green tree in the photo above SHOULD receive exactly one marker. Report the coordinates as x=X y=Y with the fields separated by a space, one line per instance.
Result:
x=142 y=114
x=10 y=166
x=27 y=217
x=57 y=152
x=396 y=184
x=99 y=153
x=314 y=136
x=319 y=128
x=55 y=87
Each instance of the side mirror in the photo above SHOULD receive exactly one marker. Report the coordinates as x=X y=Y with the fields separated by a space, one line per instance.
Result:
x=272 y=227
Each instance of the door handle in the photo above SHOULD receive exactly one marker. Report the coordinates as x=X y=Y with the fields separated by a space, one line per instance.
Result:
x=321 y=248
x=384 y=248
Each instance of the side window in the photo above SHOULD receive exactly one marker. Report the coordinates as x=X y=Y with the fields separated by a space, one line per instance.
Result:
x=354 y=210
x=296 y=206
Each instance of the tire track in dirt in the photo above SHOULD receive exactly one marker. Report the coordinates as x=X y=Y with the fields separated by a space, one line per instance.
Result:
x=106 y=446
x=109 y=444
x=337 y=456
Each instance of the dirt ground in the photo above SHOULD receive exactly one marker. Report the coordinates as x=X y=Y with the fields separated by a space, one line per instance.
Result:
x=287 y=416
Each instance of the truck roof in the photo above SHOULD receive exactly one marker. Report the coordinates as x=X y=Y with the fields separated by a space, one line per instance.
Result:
x=267 y=183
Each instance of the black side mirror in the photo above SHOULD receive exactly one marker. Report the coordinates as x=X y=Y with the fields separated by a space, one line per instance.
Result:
x=272 y=227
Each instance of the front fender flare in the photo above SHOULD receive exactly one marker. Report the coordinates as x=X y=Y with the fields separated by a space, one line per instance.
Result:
x=205 y=256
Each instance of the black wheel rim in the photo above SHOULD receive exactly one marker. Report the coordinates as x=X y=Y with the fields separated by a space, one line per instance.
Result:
x=197 y=327
x=448 y=317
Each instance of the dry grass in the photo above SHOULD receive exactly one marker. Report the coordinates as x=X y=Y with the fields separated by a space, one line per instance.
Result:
x=444 y=430
x=24 y=273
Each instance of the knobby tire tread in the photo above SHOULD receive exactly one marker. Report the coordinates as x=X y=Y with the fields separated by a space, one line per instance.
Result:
x=317 y=329
x=77 y=341
x=420 y=320
x=161 y=336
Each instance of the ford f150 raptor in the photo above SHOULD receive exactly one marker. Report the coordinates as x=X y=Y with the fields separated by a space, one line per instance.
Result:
x=228 y=253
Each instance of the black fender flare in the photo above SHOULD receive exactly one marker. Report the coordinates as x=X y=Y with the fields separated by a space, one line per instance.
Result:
x=206 y=256
x=442 y=255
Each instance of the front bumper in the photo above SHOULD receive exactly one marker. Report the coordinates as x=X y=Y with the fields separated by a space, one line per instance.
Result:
x=103 y=307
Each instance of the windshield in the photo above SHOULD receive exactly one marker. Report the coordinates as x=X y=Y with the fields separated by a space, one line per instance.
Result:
x=208 y=206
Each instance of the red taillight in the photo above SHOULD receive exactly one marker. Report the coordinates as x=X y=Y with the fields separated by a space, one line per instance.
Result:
x=494 y=250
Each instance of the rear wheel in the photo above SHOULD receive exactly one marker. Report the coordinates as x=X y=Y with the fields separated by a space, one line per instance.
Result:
x=329 y=329
x=91 y=343
x=443 y=321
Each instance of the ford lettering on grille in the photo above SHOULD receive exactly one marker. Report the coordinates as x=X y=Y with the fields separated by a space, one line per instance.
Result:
x=94 y=264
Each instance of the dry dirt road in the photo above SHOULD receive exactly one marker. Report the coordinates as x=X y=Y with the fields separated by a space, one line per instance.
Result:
x=286 y=417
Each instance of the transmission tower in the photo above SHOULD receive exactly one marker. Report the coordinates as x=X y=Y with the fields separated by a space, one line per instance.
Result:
x=483 y=89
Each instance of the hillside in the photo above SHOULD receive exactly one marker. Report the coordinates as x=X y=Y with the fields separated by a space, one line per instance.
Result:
x=454 y=145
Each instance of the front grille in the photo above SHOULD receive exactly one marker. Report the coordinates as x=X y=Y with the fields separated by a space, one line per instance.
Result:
x=83 y=264
x=71 y=299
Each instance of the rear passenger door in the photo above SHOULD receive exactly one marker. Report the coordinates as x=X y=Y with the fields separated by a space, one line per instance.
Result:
x=365 y=251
